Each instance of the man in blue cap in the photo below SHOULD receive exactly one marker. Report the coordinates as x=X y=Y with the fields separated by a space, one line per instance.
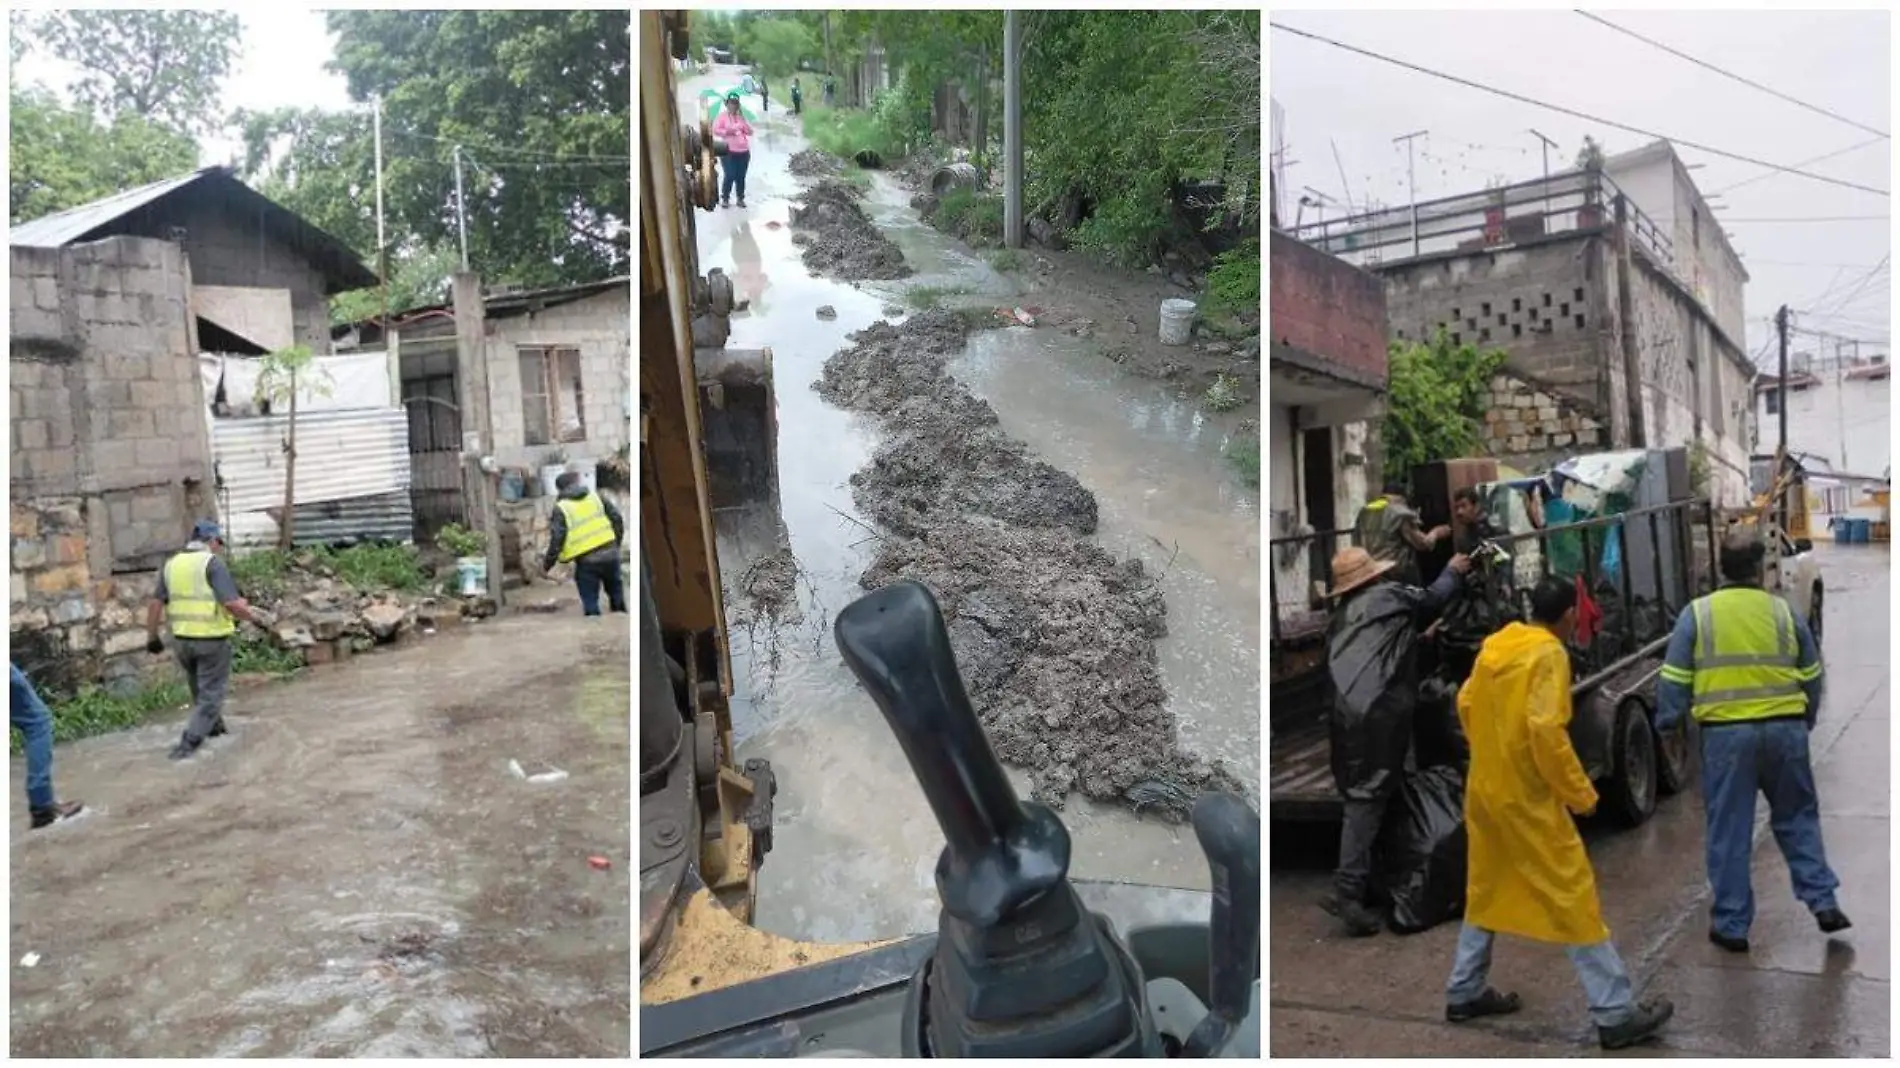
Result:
x=201 y=599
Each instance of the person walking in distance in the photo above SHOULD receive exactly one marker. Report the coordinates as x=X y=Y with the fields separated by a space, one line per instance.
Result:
x=1372 y=656
x=586 y=531
x=34 y=721
x=1749 y=670
x=798 y=98
x=737 y=132
x=1526 y=871
x=765 y=94
x=200 y=599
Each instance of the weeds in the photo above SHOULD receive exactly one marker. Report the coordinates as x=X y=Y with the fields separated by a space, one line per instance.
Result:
x=926 y=298
x=94 y=710
x=845 y=132
x=1233 y=286
x=970 y=216
x=264 y=575
x=260 y=575
x=1224 y=395
x=1243 y=452
x=261 y=656
x=1008 y=259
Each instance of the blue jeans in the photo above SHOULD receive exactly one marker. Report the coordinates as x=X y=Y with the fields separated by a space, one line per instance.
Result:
x=34 y=720
x=1771 y=758
x=1605 y=982
x=595 y=573
x=737 y=163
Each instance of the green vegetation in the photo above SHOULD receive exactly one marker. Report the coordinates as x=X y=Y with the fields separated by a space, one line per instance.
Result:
x=1233 y=286
x=1224 y=395
x=1435 y=400
x=1008 y=259
x=93 y=710
x=261 y=656
x=459 y=541
x=264 y=575
x=925 y=298
x=1243 y=452
x=974 y=217
x=845 y=132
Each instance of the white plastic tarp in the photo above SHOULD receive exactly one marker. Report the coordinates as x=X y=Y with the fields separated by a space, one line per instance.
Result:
x=352 y=382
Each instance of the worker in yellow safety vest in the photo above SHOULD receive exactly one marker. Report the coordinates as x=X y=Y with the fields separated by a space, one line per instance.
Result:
x=1387 y=527
x=200 y=598
x=586 y=531
x=1749 y=670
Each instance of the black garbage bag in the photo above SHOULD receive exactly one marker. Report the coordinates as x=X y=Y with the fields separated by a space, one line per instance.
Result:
x=1438 y=737
x=1422 y=851
x=1372 y=656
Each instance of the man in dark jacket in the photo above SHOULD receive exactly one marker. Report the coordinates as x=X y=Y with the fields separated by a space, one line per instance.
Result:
x=1372 y=654
x=586 y=531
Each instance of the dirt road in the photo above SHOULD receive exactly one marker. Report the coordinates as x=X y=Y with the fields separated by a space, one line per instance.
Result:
x=354 y=871
x=1797 y=994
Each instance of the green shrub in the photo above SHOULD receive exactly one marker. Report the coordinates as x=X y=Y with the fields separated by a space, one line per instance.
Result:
x=970 y=216
x=94 y=710
x=1224 y=395
x=1243 y=452
x=1233 y=286
x=261 y=574
x=459 y=541
x=261 y=656
x=845 y=132
x=378 y=567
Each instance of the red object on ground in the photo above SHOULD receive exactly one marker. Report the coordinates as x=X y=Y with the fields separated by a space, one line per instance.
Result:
x=774 y=225
x=599 y=863
x=1589 y=616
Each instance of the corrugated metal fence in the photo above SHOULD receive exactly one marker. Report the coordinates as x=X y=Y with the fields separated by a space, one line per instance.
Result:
x=353 y=476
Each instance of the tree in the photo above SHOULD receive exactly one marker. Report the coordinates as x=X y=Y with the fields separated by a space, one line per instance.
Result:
x=281 y=377
x=164 y=66
x=417 y=278
x=777 y=45
x=1435 y=400
x=538 y=101
x=61 y=157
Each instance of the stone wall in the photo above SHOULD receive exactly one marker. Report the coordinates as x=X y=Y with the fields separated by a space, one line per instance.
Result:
x=1531 y=429
x=110 y=460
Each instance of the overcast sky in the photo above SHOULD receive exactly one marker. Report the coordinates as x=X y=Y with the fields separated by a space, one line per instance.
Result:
x=280 y=63
x=1839 y=61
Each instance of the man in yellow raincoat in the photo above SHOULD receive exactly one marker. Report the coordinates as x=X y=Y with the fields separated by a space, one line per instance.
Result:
x=1527 y=872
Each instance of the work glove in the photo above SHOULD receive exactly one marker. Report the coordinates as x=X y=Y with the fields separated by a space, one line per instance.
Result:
x=154 y=646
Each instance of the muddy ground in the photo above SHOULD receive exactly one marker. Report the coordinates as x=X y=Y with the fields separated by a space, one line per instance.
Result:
x=839 y=240
x=1055 y=635
x=354 y=870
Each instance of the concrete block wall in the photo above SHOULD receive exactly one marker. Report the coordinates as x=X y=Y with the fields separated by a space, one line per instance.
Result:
x=599 y=327
x=1548 y=306
x=109 y=456
x=227 y=252
x=1531 y=429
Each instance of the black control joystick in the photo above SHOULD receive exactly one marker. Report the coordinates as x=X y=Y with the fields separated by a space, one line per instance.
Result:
x=1021 y=969
x=1229 y=834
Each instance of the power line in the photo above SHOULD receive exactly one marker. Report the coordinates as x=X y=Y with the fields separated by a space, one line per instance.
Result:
x=1804 y=163
x=1573 y=113
x=1600 y=20
x=1865 y=280
x=1803 y=219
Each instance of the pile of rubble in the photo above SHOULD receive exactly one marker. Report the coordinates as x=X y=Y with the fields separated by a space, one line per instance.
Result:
x=326 y=619
x=839 y=240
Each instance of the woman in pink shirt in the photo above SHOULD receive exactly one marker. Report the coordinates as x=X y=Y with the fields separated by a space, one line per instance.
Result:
x=737 y=133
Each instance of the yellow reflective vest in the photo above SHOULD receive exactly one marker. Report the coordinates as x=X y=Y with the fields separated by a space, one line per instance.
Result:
x=1747 y=659
x=588 y=527
x=191 y=605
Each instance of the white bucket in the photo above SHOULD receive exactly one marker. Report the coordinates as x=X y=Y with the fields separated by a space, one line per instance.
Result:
x=1177 y=320
x=472 y=573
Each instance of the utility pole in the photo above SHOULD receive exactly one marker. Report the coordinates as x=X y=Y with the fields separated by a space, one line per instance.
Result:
x=382 y=257
x=1548 y=145
x=1411 y=182
x=1781 y=449
x=1012 y=129
x=478 y=430
x=461 y=212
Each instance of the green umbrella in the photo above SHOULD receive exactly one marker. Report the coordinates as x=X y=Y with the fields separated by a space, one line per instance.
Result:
x=714 y=101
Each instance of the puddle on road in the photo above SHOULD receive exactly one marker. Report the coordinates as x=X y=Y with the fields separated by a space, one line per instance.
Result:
x=855 y=845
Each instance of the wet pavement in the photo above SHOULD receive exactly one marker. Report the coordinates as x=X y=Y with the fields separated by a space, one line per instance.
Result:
x=354 y=871
x=854 y=843
x=1796 y=994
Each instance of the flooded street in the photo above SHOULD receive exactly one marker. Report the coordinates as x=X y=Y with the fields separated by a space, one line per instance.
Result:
x=1797 y=993
x=354 y=871
x=855 y=844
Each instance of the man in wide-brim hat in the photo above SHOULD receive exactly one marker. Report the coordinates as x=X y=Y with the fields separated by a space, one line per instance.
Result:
x=1372 y=653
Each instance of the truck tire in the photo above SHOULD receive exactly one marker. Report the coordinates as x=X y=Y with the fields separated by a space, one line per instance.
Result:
x=1629 y=794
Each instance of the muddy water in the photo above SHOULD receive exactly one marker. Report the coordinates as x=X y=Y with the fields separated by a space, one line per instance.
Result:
x=855 y=844
x=354 y=871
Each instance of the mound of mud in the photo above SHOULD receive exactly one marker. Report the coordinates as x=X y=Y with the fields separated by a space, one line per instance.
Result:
x=812 y=163
x=838 y=239
x=946 y=456
x=1055 y=636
